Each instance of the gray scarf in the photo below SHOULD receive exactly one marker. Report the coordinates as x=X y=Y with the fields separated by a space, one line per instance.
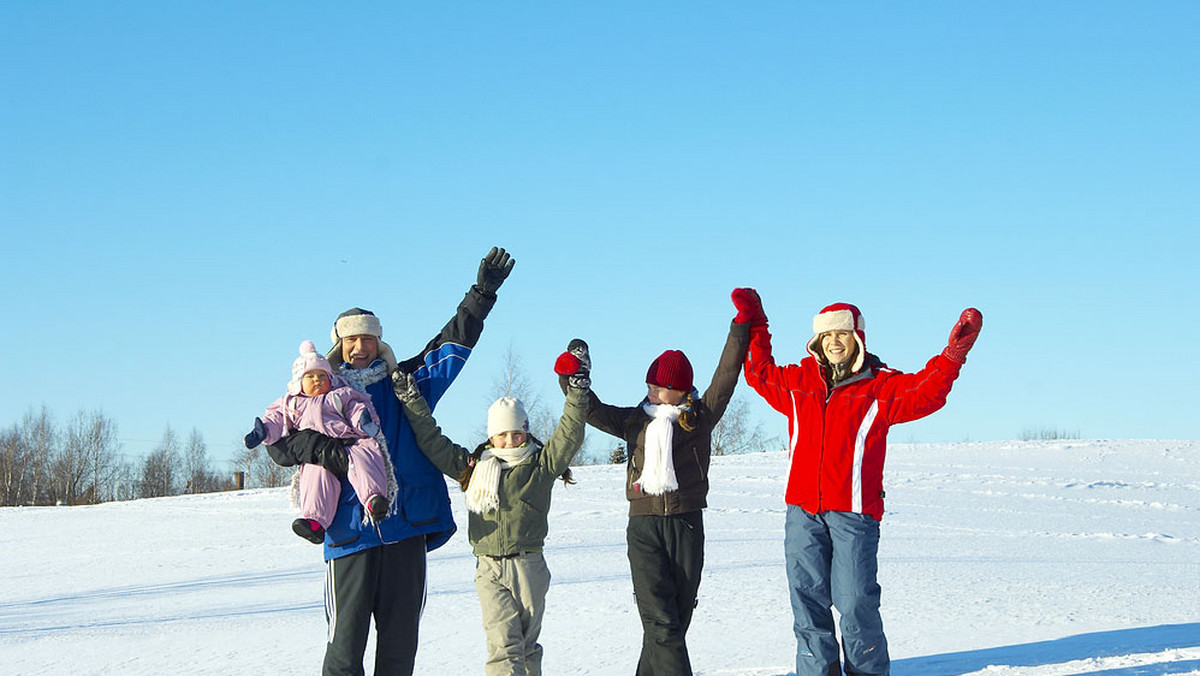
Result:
x=359 y=379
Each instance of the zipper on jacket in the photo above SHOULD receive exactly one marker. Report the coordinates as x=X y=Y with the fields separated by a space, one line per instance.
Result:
x=824 y=437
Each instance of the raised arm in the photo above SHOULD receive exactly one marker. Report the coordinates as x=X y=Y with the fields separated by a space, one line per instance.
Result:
x=568 y=436
x=443 y=357
x=910 y=396
x=762 y=374
x=725 y=378
x=450 y=458
x=604 y=417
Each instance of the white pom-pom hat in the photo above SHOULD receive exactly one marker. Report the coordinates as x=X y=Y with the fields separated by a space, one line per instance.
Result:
x=840 y=317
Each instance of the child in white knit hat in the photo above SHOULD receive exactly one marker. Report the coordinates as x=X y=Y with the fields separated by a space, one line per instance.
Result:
x=318 y=400
x=507 y=481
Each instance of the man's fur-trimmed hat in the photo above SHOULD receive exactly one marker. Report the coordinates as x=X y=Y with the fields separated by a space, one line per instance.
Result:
x=358 y=322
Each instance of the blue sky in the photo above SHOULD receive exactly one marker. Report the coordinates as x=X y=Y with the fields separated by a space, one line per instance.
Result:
x=189 y=189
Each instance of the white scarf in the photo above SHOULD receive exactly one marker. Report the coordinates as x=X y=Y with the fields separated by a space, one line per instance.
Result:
x=658 y=473
x=483 y=490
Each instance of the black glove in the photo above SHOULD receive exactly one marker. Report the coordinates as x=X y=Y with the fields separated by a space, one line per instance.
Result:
x=494 y=269
x=256 y=435
x=313 y=448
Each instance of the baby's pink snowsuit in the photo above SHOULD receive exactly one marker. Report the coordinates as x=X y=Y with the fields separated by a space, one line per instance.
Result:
x=339 y=413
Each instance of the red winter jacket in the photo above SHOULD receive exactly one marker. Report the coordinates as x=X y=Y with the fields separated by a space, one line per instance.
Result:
x=838 y=440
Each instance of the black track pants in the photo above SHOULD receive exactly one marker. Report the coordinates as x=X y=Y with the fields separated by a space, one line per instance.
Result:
x=387 y=582
x=666 y=556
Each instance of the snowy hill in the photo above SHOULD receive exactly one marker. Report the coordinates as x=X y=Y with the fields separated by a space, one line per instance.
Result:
x=1005 y=559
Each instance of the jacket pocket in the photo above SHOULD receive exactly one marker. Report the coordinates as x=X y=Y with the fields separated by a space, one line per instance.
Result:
x=423 y=503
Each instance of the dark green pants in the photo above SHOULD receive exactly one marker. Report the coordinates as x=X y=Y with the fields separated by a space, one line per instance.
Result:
x=666 y=556
x=387 y=582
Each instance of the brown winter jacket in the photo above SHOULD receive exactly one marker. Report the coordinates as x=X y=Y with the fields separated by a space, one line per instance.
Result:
x=691 y=448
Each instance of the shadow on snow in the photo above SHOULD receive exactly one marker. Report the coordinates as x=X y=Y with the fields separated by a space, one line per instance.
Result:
x=1081 y=647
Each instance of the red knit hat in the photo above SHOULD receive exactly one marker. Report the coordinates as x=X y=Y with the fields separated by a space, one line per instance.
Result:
x=840 y=317
x=671 y=369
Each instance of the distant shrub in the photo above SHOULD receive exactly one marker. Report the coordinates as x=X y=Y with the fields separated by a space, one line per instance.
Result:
x=1047 y=434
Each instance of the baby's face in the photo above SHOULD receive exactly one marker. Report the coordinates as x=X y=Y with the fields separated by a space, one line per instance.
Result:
x=315 y=383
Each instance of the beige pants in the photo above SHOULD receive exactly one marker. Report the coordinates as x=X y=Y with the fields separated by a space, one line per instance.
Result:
x=512 y=594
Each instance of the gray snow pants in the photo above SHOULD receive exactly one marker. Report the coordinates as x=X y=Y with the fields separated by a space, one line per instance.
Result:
x=512 y=595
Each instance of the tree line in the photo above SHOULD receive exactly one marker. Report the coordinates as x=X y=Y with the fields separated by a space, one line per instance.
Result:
x=80 y=462
x=43 y=462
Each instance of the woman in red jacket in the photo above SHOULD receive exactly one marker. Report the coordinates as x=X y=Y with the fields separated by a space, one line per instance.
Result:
x=840 y=402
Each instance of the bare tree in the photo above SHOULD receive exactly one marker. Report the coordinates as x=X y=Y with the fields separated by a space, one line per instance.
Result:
x=737 y=433
x=84 y=464
x=69 y=466
x=12 y=465
x=105 y=465
x=38 y=439
x=159 y=470
x=513 y=381
x=198 y=472
x=260 y=471
x=126 y=484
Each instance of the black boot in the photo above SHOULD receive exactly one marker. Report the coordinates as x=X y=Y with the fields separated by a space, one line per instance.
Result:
x=309 y=530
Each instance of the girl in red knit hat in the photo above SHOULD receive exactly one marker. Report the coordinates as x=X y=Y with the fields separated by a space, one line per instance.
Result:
x=840 y=402
x=669 y=440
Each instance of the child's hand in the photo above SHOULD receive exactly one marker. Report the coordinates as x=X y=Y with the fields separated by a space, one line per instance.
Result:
x=256 y=435
x=367 y=425
x=575 y=364
x=405 y=387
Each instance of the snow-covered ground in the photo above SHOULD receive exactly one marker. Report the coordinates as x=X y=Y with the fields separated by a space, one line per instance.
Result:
x=1004 y=559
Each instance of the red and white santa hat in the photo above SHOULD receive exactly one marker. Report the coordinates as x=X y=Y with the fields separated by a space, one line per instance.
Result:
x=840 y=317
x=309 y=360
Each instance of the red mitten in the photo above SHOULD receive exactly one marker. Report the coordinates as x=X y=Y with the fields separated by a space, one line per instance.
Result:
x=566 y=364
x=749 y=307
x=963 y=336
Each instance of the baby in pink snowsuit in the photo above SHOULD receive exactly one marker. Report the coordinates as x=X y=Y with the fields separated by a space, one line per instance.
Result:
x=318 y=400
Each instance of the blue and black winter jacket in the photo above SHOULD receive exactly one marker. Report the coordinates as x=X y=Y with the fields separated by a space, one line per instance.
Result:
x=423 y=501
